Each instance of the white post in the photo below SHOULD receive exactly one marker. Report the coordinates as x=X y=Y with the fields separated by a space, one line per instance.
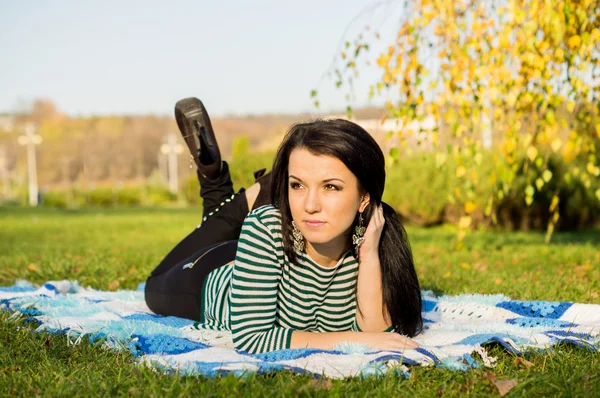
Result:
x=31 y=139
x=172 y=149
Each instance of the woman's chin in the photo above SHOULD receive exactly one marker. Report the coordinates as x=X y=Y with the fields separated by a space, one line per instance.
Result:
x=320 y=238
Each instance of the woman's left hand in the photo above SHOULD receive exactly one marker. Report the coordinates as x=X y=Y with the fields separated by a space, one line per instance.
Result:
x=370 y=247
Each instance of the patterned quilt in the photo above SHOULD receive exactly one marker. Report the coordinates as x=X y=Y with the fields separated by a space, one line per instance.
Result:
x=456 y=330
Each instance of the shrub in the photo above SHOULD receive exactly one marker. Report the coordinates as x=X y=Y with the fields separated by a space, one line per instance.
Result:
x=158 y=196
x=56 y=199
x=129 y=196
x=102 y=197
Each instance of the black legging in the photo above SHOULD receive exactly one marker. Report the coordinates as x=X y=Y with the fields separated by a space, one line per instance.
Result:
x=175 y=287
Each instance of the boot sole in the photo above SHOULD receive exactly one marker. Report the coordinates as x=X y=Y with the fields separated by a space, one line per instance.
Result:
x=195 y=127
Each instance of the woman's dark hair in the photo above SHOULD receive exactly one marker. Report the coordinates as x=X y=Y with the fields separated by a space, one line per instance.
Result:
x=351 y=144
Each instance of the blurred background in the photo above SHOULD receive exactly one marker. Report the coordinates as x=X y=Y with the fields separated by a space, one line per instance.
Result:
x=487 y=110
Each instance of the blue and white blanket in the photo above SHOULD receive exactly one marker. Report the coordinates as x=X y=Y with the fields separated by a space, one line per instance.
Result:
x=456 y=327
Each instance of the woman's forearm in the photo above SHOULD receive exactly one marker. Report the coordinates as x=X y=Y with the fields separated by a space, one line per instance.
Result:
x=328 y=340
x=372 y=316
x=322 y=340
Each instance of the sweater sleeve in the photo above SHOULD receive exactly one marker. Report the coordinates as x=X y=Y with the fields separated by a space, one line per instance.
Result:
x=254 y=281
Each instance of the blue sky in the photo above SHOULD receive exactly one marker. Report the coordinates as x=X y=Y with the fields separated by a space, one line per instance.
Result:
x=138 y=57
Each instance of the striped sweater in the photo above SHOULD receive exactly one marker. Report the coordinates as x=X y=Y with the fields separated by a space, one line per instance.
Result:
x=261 y=297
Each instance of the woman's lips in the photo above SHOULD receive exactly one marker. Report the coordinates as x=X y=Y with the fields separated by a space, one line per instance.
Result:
x=314 y=223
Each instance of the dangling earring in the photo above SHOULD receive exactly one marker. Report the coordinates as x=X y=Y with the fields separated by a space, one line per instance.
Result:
x=298 y=238
x=359 y=234
x=191 y=161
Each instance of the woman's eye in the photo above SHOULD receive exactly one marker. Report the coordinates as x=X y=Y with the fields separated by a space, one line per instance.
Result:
x=331 y=187
x=294 y=185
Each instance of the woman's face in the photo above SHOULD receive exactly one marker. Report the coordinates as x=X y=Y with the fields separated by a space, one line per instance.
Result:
x=324 y=197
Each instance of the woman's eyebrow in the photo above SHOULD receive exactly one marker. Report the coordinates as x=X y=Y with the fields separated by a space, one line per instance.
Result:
x=325 y=181
x=334 y=179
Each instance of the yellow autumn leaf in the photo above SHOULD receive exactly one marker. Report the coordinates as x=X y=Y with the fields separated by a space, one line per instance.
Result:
x=574 y=41
x=554 y=203
x=539 y=183
x=440 y=159
x=532 y=153
x=590 y=168
x=464 y=222
x=383 y=60
x=460 y=171
x=559 y=53
x=470 y=207
x=447 y=275
x=509 y=146
x=504 y=40
x=33 y=268
x=556 y=144
x=547 y=175
x=465 y=266
x=598 y=194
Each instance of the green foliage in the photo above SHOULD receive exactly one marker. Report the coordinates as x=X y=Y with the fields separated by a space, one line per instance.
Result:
x=130 y=196
x=158 y=196
x=577 y=205
x=417 y=190
x=240 y=147
x=242 y=168
x=425 y=189
x=190 y=189
x=55 y=199
x=108 y=197
x=103 y=197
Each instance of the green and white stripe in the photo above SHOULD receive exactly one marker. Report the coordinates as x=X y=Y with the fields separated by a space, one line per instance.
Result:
x=215 y=294
x=268 y=297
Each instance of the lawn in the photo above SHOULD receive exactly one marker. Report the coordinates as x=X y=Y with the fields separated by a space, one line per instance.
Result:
x=116 y=249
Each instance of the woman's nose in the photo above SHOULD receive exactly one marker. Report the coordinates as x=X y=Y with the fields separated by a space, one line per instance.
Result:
x=312 y=201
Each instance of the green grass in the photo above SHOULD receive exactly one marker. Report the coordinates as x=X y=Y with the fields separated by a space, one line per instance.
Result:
x=110 y=249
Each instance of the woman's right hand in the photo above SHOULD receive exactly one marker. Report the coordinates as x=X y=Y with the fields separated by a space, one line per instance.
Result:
x=388 y=341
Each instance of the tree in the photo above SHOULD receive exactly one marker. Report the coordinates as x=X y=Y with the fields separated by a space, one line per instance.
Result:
x=530 y=68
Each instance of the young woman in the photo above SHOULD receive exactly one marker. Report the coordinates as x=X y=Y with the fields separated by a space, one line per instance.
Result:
x=309 y=256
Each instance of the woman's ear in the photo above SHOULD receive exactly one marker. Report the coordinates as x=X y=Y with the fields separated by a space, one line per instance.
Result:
x=364 y=202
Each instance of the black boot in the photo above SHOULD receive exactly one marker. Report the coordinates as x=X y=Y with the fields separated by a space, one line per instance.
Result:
x=196 y=129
